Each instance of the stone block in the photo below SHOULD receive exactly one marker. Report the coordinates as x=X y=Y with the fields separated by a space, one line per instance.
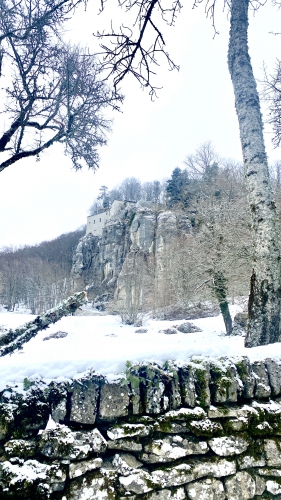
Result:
x=242 y=485
x=31 y=478
x=246 y=375
x=96 y=485
x=185 y=414
x=139 y=482
x=132 y=376
x=269 y=472
x=272 y=450
x=225 y=384
x=114 y=401
x=154 y=384
x=201 y=373
x=125 y=462
x=214 y=467
x=173 y=476
x=207 y=489
x=215 y=412
x=187 y=385
x=273 y=487
x=59 y=411
x=173 y=386
x=124 y=444
x=262 y=387
x=129 y=430
x=84 y=400
x=274 y=374
x=260 y=485
x=172 y=448
x=21 y=448
x=228 y=446
x=80 y=468
x=162 y=425
x=236 y=424
x=62 y=443
x=205 y=427
x=178 y=494
x=249 y=461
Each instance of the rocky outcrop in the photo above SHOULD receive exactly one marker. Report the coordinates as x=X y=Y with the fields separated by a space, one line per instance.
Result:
x=132 y=244
x=199 y=431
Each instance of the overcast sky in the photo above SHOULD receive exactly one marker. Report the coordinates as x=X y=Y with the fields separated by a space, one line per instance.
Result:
x=41 y=200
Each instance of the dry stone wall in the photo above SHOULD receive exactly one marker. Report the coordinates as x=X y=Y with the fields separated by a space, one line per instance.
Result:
x=209 y=429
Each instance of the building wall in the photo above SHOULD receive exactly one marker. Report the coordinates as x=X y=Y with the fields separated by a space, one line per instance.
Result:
x=96 y=223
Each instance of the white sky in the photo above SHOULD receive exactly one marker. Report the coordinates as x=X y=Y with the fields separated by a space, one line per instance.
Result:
x=41 y=200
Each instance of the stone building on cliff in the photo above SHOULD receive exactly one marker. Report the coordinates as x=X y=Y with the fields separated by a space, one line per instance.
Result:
x=96 y=223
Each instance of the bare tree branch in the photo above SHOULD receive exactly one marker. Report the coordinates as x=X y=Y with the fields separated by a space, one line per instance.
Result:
x=15 y=339
x=130 y=50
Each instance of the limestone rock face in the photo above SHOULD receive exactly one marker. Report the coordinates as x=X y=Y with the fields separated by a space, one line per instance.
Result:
x=100 y=262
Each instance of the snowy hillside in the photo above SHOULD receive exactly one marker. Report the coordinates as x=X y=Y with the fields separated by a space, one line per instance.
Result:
x=103 y=344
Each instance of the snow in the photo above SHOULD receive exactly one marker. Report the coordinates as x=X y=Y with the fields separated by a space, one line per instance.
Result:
x=102 y=344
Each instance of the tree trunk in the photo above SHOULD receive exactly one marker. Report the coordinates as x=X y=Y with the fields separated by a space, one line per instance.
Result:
x=264 y=300
x=220 y=291
x=14 y=339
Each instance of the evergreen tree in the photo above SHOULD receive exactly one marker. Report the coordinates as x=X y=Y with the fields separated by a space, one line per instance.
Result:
x=104 y=197
x=177 y=188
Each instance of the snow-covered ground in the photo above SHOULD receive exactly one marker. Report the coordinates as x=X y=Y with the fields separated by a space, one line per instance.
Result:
x=103 y=344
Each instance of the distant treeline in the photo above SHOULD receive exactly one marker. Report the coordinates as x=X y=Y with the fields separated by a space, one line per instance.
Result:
x=38 y=276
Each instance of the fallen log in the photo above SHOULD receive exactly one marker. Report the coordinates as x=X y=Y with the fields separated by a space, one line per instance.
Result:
x=14 y=339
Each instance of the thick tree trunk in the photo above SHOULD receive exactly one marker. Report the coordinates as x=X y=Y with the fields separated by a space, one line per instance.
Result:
x=220 y=291
x=264 y=300
x=14 y=339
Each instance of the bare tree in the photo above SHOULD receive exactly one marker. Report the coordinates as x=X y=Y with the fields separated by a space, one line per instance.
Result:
x=129 y=295
x=54 y=92
x=131 y=52
x=201 y=161
x=272 y=95
x=264 y=300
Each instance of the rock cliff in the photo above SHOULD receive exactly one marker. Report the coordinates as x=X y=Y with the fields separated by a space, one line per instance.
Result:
x=126 y=262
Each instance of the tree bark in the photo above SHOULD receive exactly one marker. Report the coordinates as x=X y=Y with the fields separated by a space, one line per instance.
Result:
x=220 y=291
x=264 y=300
x=14 y=339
